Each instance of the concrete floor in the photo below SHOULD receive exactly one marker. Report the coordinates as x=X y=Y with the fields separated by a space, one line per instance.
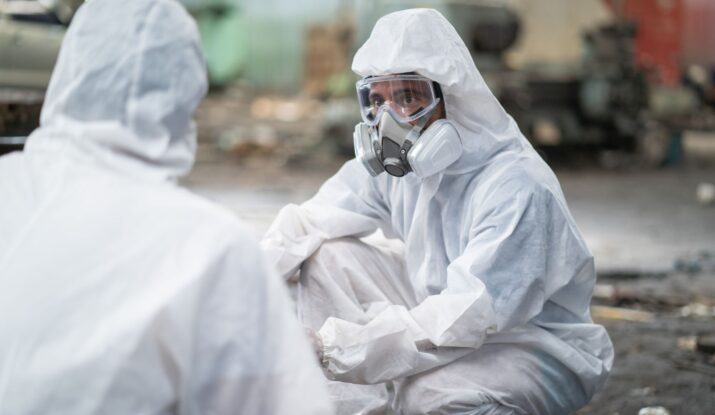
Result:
x=633 y=220
x=641 y=221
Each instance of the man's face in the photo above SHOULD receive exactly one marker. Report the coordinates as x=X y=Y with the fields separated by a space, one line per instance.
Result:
x=438 y=114
x=405 y=98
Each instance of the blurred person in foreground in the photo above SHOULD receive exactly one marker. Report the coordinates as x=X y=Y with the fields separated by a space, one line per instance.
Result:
x=121 y=293
x=485 y=307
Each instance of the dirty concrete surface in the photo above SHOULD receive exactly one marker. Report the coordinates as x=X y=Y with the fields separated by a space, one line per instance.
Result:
x=653 y=242
x=633 y=221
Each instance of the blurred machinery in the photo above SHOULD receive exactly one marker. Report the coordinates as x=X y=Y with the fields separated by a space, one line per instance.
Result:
x=30 y=36
x=223 y=27
x=31 y=33
x=627 y=93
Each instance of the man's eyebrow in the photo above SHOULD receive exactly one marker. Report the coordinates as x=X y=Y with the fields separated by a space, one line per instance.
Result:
x=374 y=94
x=407 y=89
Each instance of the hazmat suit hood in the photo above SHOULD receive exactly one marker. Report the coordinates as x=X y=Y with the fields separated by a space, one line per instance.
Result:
x=423 y=41
x=124 y=89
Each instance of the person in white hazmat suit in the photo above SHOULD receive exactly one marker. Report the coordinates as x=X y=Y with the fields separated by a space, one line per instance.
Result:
x=121 y=293
x=486 y=309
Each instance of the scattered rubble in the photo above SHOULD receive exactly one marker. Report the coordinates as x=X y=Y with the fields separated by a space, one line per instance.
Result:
x=654 y=410
x=705 y=192
x=706 y=344
x=697 y=310
x=688 y=343
x=703 y=261
x=615 y=313
x=662 y=328
x=262 y=129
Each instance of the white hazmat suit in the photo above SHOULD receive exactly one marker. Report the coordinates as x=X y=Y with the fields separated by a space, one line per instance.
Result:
x=121 y=293
x=487 y=310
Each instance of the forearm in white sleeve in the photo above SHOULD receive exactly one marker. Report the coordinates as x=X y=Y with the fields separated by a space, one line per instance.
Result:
x=348 y=204
x=399 y=342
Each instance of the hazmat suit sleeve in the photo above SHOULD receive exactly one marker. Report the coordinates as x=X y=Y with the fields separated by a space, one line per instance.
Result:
x=249 y=353
x=500 y=281
x=339 y=209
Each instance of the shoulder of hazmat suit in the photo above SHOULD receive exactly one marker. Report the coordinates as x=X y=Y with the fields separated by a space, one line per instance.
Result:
x=491 y=250
x=121 y=293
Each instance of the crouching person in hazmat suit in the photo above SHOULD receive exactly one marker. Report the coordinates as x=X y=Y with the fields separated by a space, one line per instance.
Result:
x=121 y=293
x=486 y=310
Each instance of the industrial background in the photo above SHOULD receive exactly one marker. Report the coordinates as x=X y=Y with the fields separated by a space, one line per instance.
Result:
x=618 y=96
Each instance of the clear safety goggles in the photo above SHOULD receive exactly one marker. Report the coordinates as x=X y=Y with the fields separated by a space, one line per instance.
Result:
x=407 y=97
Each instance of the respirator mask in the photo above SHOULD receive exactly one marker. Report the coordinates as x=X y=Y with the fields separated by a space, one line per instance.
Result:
x=392 y=137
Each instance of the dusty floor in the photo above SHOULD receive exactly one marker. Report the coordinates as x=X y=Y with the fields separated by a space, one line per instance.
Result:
x=634 y=220
x=656 y=364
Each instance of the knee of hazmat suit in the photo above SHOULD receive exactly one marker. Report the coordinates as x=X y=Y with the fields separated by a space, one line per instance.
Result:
x=492 y=252
x=120 y=292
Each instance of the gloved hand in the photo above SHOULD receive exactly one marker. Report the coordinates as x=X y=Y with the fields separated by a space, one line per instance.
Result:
x=316 y=342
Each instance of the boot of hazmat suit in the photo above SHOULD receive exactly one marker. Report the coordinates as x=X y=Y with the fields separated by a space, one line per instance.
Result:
x=121 y=293
x=484 y=309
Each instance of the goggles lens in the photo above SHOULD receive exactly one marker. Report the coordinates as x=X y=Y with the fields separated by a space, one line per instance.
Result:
x=407 y=97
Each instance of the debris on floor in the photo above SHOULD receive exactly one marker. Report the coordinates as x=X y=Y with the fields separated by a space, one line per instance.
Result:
x=706 y=343
x=654 y=410
x=705 y=192
x=703 y=261
x=662 y=327
x=614 y=313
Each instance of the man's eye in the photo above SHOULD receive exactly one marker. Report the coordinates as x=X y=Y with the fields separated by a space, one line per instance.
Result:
x=376 y=102
x=406 y=98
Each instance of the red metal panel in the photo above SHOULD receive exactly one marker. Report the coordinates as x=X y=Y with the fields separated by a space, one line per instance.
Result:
x=699 y=32
x=660 y=35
